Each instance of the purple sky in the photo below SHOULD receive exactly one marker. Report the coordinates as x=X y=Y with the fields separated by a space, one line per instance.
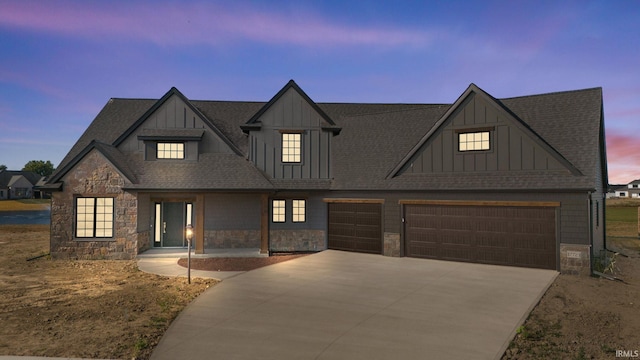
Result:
x=60 y=61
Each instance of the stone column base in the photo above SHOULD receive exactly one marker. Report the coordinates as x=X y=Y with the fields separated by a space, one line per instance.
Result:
x=391 y=244
x=575 y=259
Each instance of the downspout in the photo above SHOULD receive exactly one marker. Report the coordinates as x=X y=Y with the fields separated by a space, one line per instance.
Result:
x=591 y=258
x=604 y=222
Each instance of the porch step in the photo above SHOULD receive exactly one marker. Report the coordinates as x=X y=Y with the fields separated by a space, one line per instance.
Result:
x=209 y=253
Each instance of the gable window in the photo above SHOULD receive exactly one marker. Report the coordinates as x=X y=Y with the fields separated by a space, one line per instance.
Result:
x=278 y=212
x=299 y=212
x=94 y=217
x=170 y=150
x=473 y=141
x=291 y=147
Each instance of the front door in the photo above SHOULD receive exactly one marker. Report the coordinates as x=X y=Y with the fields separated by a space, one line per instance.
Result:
x=173 y=217
x=171 y=220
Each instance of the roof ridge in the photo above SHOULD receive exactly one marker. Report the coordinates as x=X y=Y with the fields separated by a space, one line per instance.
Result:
x=553 y=93
x=394 y=111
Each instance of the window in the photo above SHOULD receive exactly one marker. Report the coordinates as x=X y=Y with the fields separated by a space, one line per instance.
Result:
x=278 y=213
x=291 y=145
x=473 y=141
x=94 y=217
x=170 y=150
x=299 y=213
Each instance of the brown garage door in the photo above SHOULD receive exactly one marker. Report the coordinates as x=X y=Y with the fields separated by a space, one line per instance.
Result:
x=355 y=227
x=501 y=235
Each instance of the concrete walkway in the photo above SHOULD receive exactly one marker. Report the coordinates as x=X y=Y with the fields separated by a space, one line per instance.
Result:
x=340 y=305
x=165 y=262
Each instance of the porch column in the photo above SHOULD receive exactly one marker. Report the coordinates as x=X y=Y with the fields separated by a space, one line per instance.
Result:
x=264 y=224
x=199 y=224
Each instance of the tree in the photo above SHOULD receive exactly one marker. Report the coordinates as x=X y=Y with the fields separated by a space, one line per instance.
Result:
x=3 y=167
x=39 y=167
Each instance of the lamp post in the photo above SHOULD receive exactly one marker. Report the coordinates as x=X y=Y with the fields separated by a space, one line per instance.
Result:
x=189 y=233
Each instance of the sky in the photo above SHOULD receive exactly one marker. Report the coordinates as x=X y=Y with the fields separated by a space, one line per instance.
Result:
x=61 y=61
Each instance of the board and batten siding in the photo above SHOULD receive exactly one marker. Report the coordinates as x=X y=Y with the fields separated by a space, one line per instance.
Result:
x=511 y=148
x=175 y=114
x=291 y=113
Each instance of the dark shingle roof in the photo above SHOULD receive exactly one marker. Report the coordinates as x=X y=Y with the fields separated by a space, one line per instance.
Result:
x=374 y=140
x=7 y=175
x=211 y=171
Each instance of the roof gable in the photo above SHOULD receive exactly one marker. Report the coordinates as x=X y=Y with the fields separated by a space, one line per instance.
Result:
x=173 y=112
x=290 y=94
x=112 y=154
x=513 y=144
x=19 y=181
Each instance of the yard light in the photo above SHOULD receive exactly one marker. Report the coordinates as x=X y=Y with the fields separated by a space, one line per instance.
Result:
x=189 y=235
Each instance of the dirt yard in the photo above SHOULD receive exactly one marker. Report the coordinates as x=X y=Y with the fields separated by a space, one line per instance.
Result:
x=88 y=309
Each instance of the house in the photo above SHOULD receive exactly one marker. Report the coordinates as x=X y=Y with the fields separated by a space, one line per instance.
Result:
x=630 y=190
x=18 y=184
x=616 y=191
x=517 y=181
x=633 y=189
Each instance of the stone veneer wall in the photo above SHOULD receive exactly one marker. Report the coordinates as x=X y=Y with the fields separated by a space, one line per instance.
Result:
x=231 y=239
x=297 y=240
x=575 y=259
x=391 y=244
x=144 y=241
x=94 y=176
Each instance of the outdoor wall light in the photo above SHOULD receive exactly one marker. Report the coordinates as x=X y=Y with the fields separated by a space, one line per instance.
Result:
x=189 y=235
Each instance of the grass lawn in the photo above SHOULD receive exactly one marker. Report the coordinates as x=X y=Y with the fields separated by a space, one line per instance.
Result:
x=622 y=217
x=25 y=205
x=622 y=225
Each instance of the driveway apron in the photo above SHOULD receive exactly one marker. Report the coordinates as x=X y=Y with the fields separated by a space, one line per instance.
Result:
x=341 y=305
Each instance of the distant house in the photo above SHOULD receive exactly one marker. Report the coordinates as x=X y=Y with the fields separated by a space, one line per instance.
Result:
x=18 y=184
x=486 y=180
x=630 y=190
x=633 y=189
x=616 y=191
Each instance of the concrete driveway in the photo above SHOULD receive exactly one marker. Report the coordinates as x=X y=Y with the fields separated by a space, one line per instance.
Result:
x=341 y=305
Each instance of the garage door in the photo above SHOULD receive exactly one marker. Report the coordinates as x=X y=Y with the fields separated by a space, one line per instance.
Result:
x=355 y=227
x=502 y=235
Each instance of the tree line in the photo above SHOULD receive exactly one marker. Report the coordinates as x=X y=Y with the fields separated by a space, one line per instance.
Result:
x=40 y=167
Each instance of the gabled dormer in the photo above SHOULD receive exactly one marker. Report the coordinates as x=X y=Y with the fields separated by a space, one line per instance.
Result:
x=479 y=134
x=290 y=137
x=174 y=130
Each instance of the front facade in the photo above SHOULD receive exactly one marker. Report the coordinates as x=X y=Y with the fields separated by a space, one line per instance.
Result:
x=15 y=185
x=517 y=182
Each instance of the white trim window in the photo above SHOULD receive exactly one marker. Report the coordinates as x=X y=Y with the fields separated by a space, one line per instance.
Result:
x=278 y=213
x=473 y=141
x=291 y=147
x=94 y=217
x=170 y=150
x=299 y=210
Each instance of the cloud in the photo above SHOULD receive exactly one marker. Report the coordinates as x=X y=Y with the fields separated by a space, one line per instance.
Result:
x=29 y=81
x=173 y=24
x=623 y=158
